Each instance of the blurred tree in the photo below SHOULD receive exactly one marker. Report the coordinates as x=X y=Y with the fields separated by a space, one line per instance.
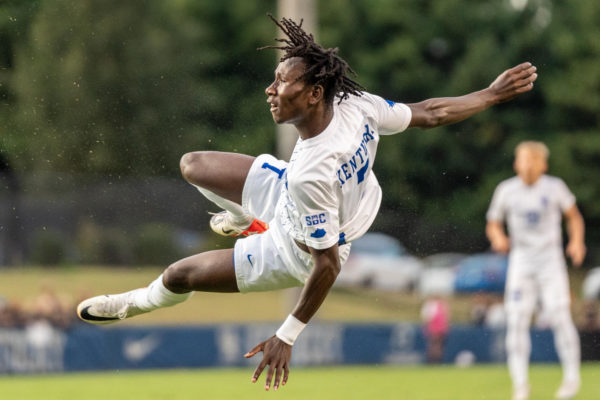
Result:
x=438 y=184
x=234 y=74
x=127 y=87
x=15 y=20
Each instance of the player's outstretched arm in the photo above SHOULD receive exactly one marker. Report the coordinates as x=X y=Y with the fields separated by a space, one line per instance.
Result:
x=276 y=352
x=447 y=110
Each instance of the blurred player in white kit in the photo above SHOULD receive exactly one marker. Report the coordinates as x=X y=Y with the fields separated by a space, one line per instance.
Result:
x=532 y=204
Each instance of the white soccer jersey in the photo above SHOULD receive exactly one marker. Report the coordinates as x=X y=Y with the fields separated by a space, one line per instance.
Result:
x=533 y=214
x=331 y=194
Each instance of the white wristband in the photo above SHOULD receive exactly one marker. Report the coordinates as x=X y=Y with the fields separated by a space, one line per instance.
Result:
x=290 y=329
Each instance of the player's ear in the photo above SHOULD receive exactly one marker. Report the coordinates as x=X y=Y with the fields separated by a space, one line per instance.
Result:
x=317 y=94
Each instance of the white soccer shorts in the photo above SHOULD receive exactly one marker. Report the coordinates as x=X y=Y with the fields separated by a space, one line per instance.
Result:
x=270 y=260
x=525 y=282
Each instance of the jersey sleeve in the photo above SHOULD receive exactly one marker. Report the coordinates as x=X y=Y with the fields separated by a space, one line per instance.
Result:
x=317 y=208
x=564 y=196
x=497 y=210
x=391 y=117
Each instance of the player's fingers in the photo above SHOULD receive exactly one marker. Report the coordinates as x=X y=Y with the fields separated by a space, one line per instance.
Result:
x=524 y=88
x=286 y=374
x=577 y=258
x=278 y=372
x=521 y=67
x=254 y=351
x=269 y=377
x=526 y=81
x=525 y=72
x=517 y=77
x=258 y=370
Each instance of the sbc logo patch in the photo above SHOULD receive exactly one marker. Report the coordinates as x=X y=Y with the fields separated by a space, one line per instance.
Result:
x=316 y=219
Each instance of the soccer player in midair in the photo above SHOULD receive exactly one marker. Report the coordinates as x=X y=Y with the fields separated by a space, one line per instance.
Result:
x=300 y=216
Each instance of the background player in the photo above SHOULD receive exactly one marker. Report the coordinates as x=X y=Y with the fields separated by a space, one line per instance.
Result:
x=532 y=204
x=325 y=197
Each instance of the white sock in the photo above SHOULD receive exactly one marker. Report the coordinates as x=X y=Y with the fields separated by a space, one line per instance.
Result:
x=238 y=214
x=518 y=348
x=156 y=295
x=566 y=341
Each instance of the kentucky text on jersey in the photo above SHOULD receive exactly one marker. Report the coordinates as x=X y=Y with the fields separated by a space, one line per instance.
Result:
x=359 y=163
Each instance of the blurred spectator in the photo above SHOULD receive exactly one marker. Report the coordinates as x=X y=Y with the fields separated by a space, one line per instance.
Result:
x=12 y=315
x=495 y=317
x=479 y=309
x=48 y=307
x=590 y=317
x=589 y=331
x=488 y=311
x=436 y=318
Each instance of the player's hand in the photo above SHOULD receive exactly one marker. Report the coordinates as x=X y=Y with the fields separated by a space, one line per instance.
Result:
x=513 y=82
x=576 y=251
x=277 y=355
x=501 y=244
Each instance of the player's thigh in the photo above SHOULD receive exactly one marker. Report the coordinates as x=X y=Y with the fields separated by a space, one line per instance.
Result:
x=554 y=286
x=222 y=173
x=270 y=261
x=212 y=271
x=263 y=186
x=519 y=297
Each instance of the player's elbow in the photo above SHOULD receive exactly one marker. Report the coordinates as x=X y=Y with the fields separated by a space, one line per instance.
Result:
x=427 y=115
x=432 y=120
x=330 y=270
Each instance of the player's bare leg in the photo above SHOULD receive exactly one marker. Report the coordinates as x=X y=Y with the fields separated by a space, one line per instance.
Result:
x=212 y=271
x=220 y=177
x=222 y=173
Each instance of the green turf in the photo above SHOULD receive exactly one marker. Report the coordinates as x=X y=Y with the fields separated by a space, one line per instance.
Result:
x=347 y=383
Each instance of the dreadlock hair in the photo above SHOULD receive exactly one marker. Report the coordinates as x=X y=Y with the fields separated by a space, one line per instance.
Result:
x=323 y=66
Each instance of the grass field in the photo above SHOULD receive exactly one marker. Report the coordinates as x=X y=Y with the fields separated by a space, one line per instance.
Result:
x=348 y=383
x=22 y=285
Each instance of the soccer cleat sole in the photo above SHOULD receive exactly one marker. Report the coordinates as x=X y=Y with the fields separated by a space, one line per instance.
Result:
x=84 y=315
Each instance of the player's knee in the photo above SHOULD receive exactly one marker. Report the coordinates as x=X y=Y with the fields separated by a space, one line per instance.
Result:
x=517 y=341
x=560 y=317
x=191 y=166
x=176 y=277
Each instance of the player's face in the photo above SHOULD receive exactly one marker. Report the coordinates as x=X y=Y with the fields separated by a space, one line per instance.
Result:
x=287 y=95
x=530 y=165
